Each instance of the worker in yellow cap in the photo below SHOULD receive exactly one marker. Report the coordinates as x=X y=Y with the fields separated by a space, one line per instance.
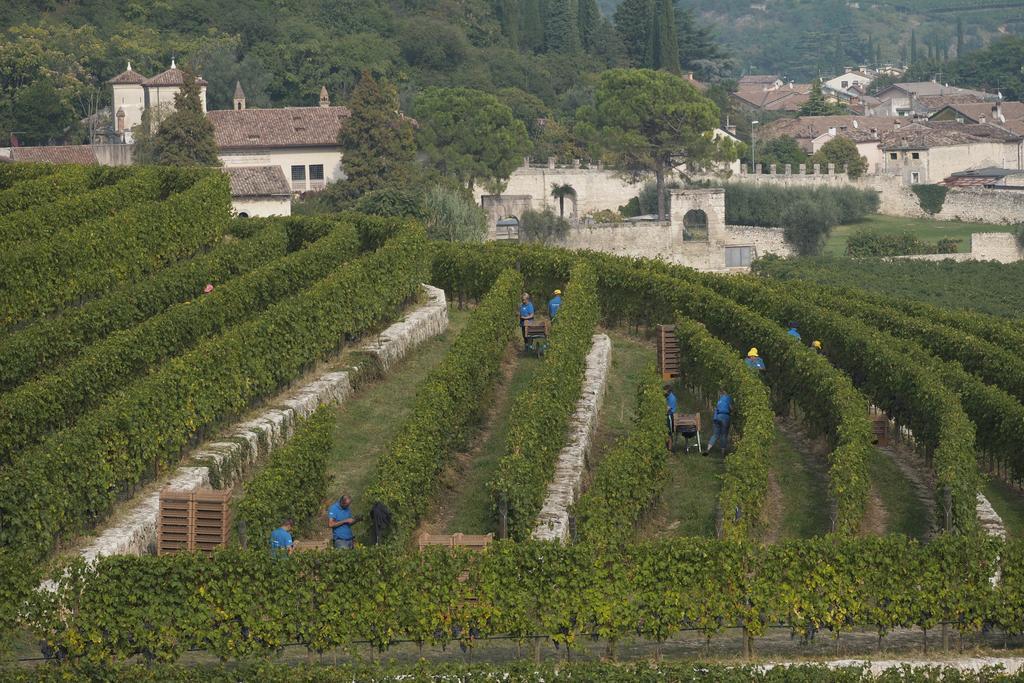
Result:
x=816 y=346
x=753 y=360
x=555 y=304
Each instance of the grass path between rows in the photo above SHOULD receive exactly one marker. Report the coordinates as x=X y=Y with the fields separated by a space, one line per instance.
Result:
x=1008 y=502
x=463 y=503
x=370 y=419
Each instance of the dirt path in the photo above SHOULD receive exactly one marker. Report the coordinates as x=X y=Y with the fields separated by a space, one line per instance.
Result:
x=876 y=516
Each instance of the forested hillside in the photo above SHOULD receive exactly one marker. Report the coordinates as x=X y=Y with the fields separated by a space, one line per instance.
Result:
x=55 y=57
x=802 y=39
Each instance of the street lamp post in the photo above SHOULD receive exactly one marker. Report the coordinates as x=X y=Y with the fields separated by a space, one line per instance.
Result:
x=753 y=145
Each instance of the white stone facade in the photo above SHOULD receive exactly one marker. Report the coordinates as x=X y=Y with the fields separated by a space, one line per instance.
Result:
x=327 y=158
x=923 y=166
x=255 y=207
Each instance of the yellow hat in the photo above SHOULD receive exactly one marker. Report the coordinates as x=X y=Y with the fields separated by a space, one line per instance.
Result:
x=558 y=292
x=816 y=344
x=752 y=352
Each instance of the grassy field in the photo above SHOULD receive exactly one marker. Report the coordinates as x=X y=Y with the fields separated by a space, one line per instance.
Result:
x=925 y=229
x=802 y=509
x=631 y=356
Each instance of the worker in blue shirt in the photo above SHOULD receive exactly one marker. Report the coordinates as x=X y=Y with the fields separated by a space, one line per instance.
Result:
x=281 y=542
x=792 y=331
x=340 y=519
x=753 y=360
x=720 y=420
x=525 y=315
x=671 y=403
x=555 y=304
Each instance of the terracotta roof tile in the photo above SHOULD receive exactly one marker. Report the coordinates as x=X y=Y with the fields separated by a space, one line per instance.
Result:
x=55 y=154
x=257 y=181
x=945 y=134
x=288 y=127
x=171 y=77
x=127 y=77
x=810 y=127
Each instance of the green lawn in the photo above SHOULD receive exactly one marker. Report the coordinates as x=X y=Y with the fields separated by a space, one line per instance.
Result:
x=905 y=513
x=1008 y=503
x=924 y=228
x=368 y=421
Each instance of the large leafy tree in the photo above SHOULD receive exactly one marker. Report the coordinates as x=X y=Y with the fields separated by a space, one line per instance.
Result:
x=844 y=154
x=41 y=114
x=377 y=139
x=649 y=121
x=470 y=134
x=185 y=138
x=781 y=151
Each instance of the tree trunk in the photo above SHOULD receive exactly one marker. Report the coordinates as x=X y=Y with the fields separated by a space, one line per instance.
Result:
x=561 y=206
x=660 y=174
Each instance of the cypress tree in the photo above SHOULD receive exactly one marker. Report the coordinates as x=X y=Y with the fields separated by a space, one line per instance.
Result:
x=511 y=21
x=561 y=33
x=588 y=18
x=664 y=48
x=633 y=23
x=532 y=33
x=913 y=46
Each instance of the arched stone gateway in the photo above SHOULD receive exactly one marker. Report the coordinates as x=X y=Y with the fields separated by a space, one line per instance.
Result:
x=507 y=228
x=695 y=226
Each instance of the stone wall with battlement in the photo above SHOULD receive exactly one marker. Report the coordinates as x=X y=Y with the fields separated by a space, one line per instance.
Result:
x=985 y=246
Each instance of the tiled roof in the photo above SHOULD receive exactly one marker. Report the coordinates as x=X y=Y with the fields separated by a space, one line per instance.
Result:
x=257 y=181
x=758 y=79
x=945 y=134
x=55 y=154
x=810 y=127
x=936 y=102
x=128 y=77
x=930 y=88
x=787 y=98
x=288 y=127
x=1011 y=111
x=171 y=77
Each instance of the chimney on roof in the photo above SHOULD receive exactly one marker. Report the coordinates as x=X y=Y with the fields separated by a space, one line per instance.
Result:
x=856 y=124
x=997 y=113
x=239 y=99
x=129 y=66
x=173 y=65
x=325 y=99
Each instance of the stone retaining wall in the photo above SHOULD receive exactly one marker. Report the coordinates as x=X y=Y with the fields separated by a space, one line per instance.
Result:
x=222 y=462
x=553 y=520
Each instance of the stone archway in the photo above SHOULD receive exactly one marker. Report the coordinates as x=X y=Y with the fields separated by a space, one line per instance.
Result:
x=695 y=226
x=507 y=228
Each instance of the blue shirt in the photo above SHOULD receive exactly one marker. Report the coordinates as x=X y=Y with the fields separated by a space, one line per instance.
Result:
x=671 y=402
x=553 y=306
x=723 y=408
x=525 y=311
x=280 y=541
x=793 y=333
x=757 y=363
x=336 y=513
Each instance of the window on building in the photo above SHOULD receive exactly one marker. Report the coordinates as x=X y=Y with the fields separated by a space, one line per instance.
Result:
x=915 y=155
x=915 y=178
x=695 y=226
x=737 y=257
x=892 y=155
x=316 y=171
x=846 y=84
x=298 y=172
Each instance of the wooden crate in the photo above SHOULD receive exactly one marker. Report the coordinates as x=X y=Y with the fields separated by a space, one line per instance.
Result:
x=471 y=541
x=193 y=520
x=211 y=519
x=174 y=525
x=880 y=428
x=312 y=544
x=668 y=352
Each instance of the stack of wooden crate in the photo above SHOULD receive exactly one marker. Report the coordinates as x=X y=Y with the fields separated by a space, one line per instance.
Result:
x=193 y=520
x=668 y=352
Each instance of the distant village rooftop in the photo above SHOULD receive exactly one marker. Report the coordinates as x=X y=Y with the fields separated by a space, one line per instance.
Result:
x=925 y=135
x=55 y=154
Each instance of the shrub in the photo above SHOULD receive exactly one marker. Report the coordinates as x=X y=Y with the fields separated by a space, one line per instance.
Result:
x=542 y=226
x=844 y=154
x=450 y=216
x=930 y=197
x=866 y=243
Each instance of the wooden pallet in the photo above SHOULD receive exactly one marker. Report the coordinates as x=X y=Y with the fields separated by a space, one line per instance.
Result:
x=539 y=328
x=193 y=520
x=668 y=352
